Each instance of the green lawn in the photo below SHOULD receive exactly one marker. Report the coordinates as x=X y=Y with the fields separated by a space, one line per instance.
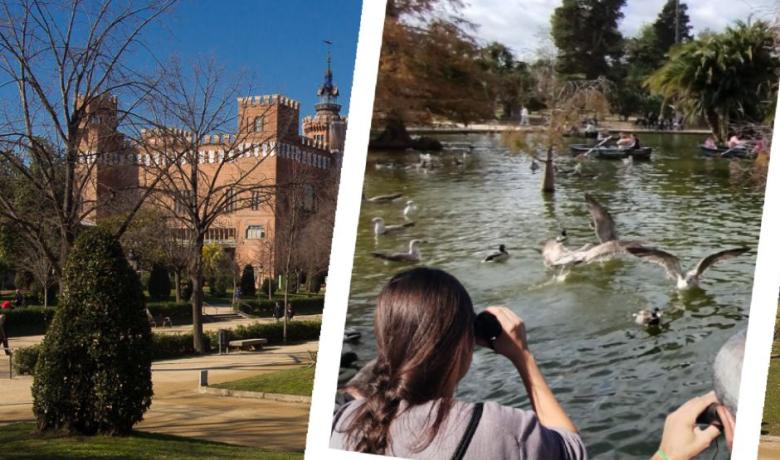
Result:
x=19 y=441
x=771 y=422
x=297 y=381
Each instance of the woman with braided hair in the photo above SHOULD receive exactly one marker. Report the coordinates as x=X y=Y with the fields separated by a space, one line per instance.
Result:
x=424 y=329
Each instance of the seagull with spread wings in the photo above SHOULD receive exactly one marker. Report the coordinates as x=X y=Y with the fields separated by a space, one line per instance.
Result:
x=671 y=263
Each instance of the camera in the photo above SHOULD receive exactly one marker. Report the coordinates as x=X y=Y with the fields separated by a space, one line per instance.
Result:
x=487 y=328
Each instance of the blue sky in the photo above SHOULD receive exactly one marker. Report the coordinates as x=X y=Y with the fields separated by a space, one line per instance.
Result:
x=278 y=43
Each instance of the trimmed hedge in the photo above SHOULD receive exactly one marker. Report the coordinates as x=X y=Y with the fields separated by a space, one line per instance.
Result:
x=265 y=308
x=297 y=331
x=180 y=313
x=25 y=359
x=28 y=320
x=164 y=346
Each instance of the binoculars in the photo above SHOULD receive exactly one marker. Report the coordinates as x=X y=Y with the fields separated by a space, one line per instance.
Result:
x=487 y=328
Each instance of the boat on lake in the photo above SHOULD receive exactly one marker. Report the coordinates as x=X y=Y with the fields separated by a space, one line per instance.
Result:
x=612 y=153
x=723 y=151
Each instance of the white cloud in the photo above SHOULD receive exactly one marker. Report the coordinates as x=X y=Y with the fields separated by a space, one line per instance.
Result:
x=521 y=24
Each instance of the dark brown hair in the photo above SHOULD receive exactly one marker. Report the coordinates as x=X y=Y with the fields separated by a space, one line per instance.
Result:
x=424 y=326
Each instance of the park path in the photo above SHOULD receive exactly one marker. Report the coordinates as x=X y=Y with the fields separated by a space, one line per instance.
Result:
x=769 y=448
x=179 y=409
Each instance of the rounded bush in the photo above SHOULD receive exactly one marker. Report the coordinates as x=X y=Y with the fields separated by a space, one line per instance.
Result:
x=264 y=287
x=248 y=281
x=186 y=290
x=159 y=285
x=94 y=370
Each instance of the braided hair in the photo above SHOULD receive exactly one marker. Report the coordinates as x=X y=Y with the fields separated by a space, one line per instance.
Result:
x=419 y=313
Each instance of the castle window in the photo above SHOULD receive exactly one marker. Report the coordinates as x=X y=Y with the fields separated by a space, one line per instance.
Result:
x=258 y=124
x=255 y=232
x=308 y=197
x=255 y=201
x=230 y=199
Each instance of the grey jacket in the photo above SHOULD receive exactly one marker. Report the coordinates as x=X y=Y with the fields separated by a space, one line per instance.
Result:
x=503 y=433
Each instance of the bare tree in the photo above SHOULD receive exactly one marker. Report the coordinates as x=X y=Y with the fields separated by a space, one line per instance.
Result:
x=199 y=167
x=63 y=58
x=303 y=190
x=567 y=102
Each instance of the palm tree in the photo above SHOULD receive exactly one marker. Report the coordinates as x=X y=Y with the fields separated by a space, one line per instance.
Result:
x=724 y=78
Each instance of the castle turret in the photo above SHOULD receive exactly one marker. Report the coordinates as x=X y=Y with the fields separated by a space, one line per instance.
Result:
x=327 y=125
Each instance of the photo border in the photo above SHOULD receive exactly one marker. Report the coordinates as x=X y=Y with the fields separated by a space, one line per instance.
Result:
x=764 y=296
x=763 y=307
x=361 y=108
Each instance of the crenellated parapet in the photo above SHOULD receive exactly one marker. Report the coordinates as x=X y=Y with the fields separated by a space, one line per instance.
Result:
x=285 y=101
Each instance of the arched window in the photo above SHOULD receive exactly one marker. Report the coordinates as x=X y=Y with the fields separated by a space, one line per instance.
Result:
x=257 y=126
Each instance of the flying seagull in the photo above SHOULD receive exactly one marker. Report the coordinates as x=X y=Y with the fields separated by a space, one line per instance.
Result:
x=499 y=256
x=603 y=223
x=413 y=255
x=557 y=255
x=671 y=263
x=380 y=228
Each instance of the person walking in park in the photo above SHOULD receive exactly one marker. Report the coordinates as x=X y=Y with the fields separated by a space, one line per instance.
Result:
x=290 y=311
x=524 y=116
x=4 y=335
x=18 y=299
x=278 y=312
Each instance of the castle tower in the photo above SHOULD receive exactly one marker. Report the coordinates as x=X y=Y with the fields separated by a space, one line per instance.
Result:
x=113 y=173
x=327 y=125
x=261 y=118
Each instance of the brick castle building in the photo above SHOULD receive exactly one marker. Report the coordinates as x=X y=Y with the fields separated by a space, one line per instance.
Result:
x=269 y=145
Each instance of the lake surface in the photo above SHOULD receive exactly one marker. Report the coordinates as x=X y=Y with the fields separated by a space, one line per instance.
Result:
x=616 y=380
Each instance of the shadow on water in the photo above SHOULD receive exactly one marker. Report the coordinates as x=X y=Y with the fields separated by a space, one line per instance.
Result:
x=617 y=380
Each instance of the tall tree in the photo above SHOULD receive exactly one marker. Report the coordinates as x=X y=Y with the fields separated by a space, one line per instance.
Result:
x=509 y=79
x=587 y=36
x=672 y=26
x=730 y=77
x=428 y=68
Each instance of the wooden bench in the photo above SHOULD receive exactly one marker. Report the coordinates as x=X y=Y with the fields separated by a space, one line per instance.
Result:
x=252 y=344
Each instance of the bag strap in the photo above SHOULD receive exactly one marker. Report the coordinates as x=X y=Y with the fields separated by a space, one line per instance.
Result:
x=338 y=414
x=476 y=415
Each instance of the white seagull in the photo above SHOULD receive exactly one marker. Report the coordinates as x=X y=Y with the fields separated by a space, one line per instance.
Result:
x=671 y=263
x=499 y=256
x=381 y=229
x=413 y=255
x=409 y=209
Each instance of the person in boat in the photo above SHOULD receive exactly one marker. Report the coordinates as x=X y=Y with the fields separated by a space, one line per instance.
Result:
x=734 y=141
x=603 y=136
x=711 y=142
x=628 y=141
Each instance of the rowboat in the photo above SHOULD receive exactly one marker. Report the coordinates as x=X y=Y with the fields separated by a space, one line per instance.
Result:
x=612 y=153
x=724 y=152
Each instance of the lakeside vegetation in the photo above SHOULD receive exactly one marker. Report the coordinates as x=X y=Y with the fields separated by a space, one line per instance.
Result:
x=433 y=68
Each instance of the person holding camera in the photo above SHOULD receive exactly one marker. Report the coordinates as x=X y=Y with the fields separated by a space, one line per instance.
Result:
x=425 y=332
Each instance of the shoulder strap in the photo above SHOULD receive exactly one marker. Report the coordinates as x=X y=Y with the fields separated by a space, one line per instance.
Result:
x=476 y=415
x=338 y=414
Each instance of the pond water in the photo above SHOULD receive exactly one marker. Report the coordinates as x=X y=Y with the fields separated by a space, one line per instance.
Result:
x=616 y=380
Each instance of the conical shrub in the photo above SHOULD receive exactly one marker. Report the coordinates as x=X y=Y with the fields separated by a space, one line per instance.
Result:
x=94 y=371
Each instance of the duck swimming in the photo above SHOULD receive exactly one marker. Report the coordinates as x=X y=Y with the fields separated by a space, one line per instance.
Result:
x=413 y=255
x=648 y=317
x=499 y=256
x=385 y=198
x=381 y=229
x=671 y=263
